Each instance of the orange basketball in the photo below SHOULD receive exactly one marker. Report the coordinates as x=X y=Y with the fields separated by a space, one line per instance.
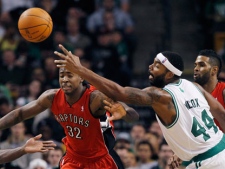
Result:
x=35 y=25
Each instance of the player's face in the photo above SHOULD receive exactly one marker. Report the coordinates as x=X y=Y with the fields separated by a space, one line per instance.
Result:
x=157 y=73
x=68 y=81
x=202 y=70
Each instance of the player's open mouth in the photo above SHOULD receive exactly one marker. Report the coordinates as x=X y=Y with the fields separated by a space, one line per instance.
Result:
x=150 y=76
x=195 y=75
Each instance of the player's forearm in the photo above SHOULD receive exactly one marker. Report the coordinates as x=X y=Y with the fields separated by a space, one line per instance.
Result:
x=108 y=87
x=11 y=119
x=11 y=154
x=131 y=114
x=221 y=120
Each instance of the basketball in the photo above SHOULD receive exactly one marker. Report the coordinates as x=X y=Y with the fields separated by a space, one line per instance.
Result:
x=35 y=25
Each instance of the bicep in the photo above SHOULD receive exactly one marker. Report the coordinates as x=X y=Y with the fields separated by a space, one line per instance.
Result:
x=96 y=103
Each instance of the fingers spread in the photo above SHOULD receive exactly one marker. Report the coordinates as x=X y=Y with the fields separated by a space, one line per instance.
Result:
x=60 y=55
x=107 y=108
x=38 y=137
x=63 y=49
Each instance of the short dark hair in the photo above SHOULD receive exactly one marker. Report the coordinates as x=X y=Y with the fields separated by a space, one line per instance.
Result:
x=4 y=100
x=145 y=142
x=214 y=59
x=175 y=59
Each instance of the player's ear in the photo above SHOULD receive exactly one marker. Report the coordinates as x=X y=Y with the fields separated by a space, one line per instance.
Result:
x=169 y=75
x=214 y=70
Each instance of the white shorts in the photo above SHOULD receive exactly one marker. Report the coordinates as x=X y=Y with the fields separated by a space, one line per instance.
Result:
x=215 y=162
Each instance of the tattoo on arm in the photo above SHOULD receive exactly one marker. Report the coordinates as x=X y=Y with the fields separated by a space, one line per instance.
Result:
x=51 y=97
x=97 y=97
x=136 y=98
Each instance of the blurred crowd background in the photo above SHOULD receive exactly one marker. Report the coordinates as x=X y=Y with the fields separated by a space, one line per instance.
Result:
x=117 y=39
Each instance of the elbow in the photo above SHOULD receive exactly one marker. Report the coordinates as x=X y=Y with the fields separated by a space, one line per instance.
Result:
x=132 y=116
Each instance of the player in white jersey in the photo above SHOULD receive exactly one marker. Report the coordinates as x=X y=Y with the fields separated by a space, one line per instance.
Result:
x=184 y=109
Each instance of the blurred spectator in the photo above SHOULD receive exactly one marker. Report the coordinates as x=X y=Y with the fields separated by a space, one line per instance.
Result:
x=124 y=57
x=8 y=5
x=53 y=157
x=77 y=13
x=137 y=133
x=124 y=5
x=59 y=37
x=123 y=139
x=108 y=24
x=144 y=154
x=214 y=23
x=123 y=20
x=9 y=71
x=74 y=37
x=104 y=58
x=22 y=54
x=216 y=10
x=38 y=74
x=164 y=154
x=51 y=130
x=33 y=91
x=10 y=39
x=155 y=128
x=130 y=160
x=122 y=153
x=154 y=140
x=51 y=73
x=38 y=164
x=85 y=60
x=47 y=5
x=5 y=107
x=15 y=139
x=5 y=93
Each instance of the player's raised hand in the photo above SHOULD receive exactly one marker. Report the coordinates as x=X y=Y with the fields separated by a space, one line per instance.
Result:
x=34 y=145
x=116 y=109
x=68 y=60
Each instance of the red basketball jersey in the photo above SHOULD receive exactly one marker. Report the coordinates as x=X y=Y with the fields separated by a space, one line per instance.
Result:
x=84 y=138
x=218 y=94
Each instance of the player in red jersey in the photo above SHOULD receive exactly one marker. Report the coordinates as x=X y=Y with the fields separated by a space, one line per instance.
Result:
x=206 y=71
x=78 y=108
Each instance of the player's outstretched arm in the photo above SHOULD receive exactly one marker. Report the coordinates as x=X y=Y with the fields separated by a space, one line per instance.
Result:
x=216 y=108
x=111 y=89
x=151 y=96
x=32 y=145
x=121 y=110
x=28 y=111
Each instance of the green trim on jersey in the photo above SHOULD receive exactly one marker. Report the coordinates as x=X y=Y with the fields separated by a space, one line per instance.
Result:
x=176 y=84
x=176 y=108
x=208 y=154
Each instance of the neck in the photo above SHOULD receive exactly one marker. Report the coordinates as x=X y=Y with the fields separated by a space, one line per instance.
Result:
x=76 y=95
x=210 y=85
x=173 y=81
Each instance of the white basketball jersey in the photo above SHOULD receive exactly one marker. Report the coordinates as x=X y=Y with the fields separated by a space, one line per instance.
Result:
x=193 y=132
